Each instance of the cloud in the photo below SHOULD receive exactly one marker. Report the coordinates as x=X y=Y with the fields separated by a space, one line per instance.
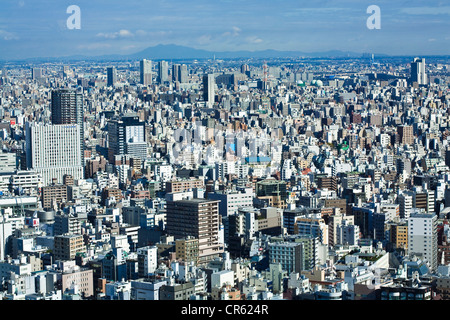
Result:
x=143 y=33
x=233 y=33
x=254 y=39
x=5 y=35
x=204 y=39
x=114 y=35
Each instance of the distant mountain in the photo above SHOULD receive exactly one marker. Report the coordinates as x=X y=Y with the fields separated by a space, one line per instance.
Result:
x=172 y=51
x=177 y=52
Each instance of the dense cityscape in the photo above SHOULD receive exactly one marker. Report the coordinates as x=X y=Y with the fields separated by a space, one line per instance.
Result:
x=225 y=179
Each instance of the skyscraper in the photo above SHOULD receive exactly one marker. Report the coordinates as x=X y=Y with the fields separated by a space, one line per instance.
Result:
x=54 y=151
x=67 y=108
x=179 y=73
x=163 y=72
x=146 y=72
x=183 y=74
x=418 y=73
x=126 y=136
x=112 y=76
x=208 y=89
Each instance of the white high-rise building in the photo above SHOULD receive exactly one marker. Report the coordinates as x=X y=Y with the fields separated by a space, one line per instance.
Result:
x=209 y=84
x=54 y=151
x=422 y=238
x=418 y=73
x=405 y=201
x=163 y=72
x=146 y=72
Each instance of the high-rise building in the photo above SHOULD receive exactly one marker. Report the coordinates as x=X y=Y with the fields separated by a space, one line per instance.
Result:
x=418 y=73
x=67 y=108
x=422 y=238
x=111 y=76
x=36 y=73
x=126 y=136
x=163 y=72
x=208 y=89
x=198 y=218
x=146 y=72
x=183 y=74
x=179 y=73
x=176 y=72
x=54 y=151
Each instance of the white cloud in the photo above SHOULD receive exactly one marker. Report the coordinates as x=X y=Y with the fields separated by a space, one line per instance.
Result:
x=235 y=32
x=204 y=39
x=254 y=39
x=5 y=35
x=114 y=35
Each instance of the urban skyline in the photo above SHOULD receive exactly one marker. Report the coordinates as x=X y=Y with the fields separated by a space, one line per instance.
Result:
x=40 y=28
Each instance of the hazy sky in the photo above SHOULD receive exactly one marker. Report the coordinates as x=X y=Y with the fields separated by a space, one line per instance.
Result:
x=38 y=28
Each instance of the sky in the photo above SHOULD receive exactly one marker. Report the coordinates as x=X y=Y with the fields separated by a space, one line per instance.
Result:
x=39 y=28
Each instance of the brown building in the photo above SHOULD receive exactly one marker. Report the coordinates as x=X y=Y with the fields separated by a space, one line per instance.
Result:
x=329 y=183
x=198 y=218
x=226 y=292
x=187 y=249
x=54 y=194
x=405 y=134
x=67 y=246
x=183 y=185
x=336 y=203
x=108 y=193
x=95 y=165
x=83 y=278
x=398 y=235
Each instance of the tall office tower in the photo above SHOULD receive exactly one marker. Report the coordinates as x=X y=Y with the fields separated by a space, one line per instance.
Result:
x=422 y=238
x=245 y=68
x=406 y=134
x=179 y=73
x=183 y=74
x=67 y=108
x=200 y=219
x=126 y=136
x=208 y=89
x=54 y=151
x=176 y=72
x=112 y=76
x=418 y=73
x=146 y=72
x=36 y=73
x=163 y=72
